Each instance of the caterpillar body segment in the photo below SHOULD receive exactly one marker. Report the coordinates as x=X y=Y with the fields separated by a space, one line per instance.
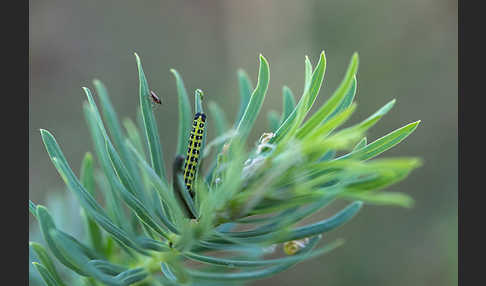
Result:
x=193 y=150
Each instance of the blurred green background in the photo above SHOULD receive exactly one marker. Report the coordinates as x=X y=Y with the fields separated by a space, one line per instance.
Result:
x=408 y=51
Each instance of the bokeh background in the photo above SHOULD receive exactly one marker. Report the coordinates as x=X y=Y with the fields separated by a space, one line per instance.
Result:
x=408 y=51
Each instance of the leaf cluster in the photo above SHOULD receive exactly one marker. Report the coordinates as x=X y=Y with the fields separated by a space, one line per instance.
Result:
x=142 y=226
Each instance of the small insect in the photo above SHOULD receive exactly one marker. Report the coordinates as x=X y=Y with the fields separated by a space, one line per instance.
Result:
x=294 y=246
x=193 y=150
x=155 y=99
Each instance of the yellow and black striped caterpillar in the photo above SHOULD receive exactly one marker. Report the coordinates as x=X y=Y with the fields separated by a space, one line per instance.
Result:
x=193 y=150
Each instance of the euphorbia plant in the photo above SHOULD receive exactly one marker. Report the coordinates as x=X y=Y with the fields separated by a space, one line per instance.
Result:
x=224 y=207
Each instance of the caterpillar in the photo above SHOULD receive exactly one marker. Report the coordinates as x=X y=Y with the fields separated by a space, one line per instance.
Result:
x=193 y=150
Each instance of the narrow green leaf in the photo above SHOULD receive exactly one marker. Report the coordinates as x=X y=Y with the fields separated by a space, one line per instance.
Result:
x=116 y=131
x=151 y=132
x=121 y=170
x=328 y=224
x=360 y=144
x=308 y=72
x=218 y=142
x=185 y=113
x=84 y=197
x=329 y=155
x=187 y=198
x=334 y=101
x=381 y=198
x=378 y=174
x=107 y=267
x=286 y=218
x=384 y=143
x=87 y=180
x=256 y=101
x=245 y=88
x=111 y=196
x=129 y=170
x=94 y=118
x=198 y=99
x=129 y=196
x=184 y=199
x=326 y=128
x=231 y=263
x=46 y=261
x=288 y=128
x=221 y=123
x=151 y=244
x=167 y=272
x=253 y=274
x=86 y=173
x=347 y=100
x=288 y=104
x=45 y=274
x=46 y=225
x=311 y=229
x=110 y=116
x=74 y=254
x=49 y=226
x=134 y=135
x=175 y=272
x=132 y=276
x=163 y=190
x=371 y=120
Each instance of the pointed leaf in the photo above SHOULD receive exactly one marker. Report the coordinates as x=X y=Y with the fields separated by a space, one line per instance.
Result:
x=288 y=128
x=45 y=274
x=151 y=131
x=184 y=113
x=288 y=104
x=46 y=261
x=256 y=101
x=384 y=143
x=333 y=102
x=245 y=88
x=84 y=197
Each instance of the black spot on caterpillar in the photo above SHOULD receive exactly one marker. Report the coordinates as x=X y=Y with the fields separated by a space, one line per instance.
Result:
x=193 y=150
